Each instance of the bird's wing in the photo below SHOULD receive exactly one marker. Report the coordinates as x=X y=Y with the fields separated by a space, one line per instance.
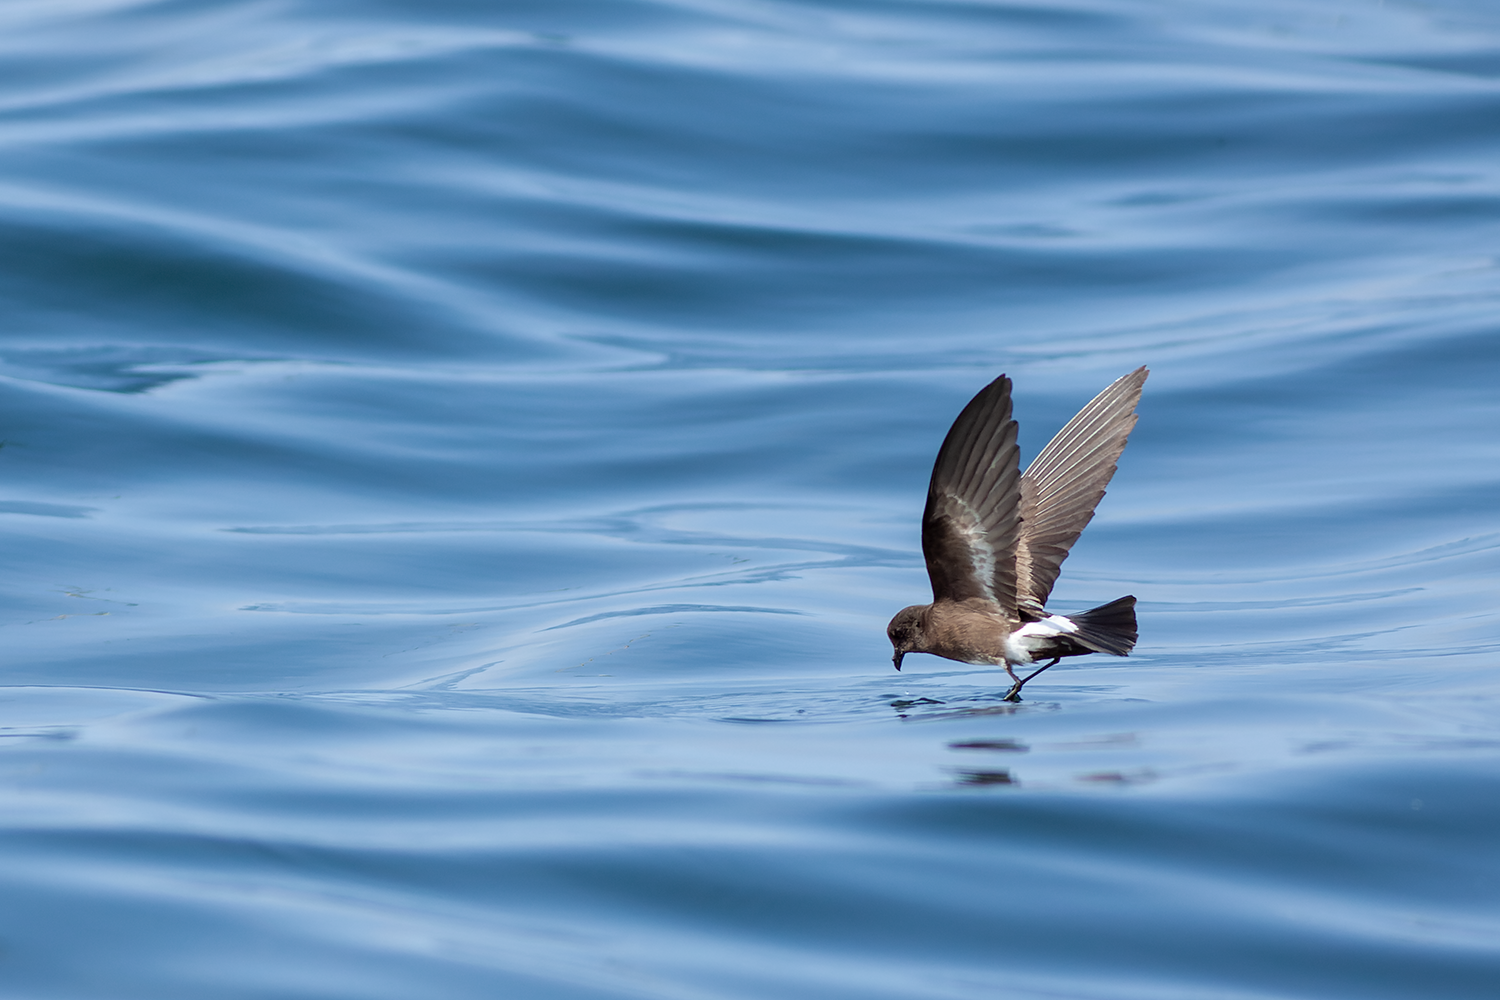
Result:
x=973 y=504
x=1060 y=490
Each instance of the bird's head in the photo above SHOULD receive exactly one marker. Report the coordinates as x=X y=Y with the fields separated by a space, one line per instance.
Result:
x=905 y=632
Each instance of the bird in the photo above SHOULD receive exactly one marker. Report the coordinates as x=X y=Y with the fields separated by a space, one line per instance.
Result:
x=994 y=538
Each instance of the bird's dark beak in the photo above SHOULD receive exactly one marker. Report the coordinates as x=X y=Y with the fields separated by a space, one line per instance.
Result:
x=896 y=659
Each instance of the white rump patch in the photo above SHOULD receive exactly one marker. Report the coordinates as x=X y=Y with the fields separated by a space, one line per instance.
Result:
x=1022 y=644
x=1049 y=626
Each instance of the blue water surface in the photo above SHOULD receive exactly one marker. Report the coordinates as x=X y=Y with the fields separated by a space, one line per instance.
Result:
x=459 y=460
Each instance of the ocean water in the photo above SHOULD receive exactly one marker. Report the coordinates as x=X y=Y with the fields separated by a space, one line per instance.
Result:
x=459 y=460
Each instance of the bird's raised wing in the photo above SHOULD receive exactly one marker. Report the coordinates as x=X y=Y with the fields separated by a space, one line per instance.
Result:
x=970 y=525
x=1060 y=490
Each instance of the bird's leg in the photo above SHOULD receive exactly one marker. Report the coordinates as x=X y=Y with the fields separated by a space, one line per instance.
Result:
x=1015 y=690
x=1015 y=684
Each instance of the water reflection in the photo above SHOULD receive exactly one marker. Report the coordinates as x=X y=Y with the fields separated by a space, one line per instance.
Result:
x=1119 y=777
x=1004 y=746
x=902 y=704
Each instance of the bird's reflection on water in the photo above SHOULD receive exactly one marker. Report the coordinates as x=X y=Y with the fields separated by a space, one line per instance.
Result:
x=969 y=777
x=972 y=778
x=915 y=709
x=902 y=704
x=1010 y=746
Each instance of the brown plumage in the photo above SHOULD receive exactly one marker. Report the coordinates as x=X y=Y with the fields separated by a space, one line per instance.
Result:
x=995 y=538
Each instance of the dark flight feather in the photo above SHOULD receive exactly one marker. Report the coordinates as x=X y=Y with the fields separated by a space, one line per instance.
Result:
x=1061 y=488
x=970 y=526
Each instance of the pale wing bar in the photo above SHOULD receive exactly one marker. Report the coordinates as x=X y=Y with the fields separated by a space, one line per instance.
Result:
x=1061 y=488
x=969 y=529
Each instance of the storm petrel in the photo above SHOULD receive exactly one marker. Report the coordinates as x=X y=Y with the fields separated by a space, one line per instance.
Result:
x=994 y=537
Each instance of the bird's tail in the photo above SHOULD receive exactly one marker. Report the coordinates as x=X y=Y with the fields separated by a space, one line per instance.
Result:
x=1109 y=628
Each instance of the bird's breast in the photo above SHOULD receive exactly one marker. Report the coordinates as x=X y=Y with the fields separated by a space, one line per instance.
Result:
x=972 y=631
